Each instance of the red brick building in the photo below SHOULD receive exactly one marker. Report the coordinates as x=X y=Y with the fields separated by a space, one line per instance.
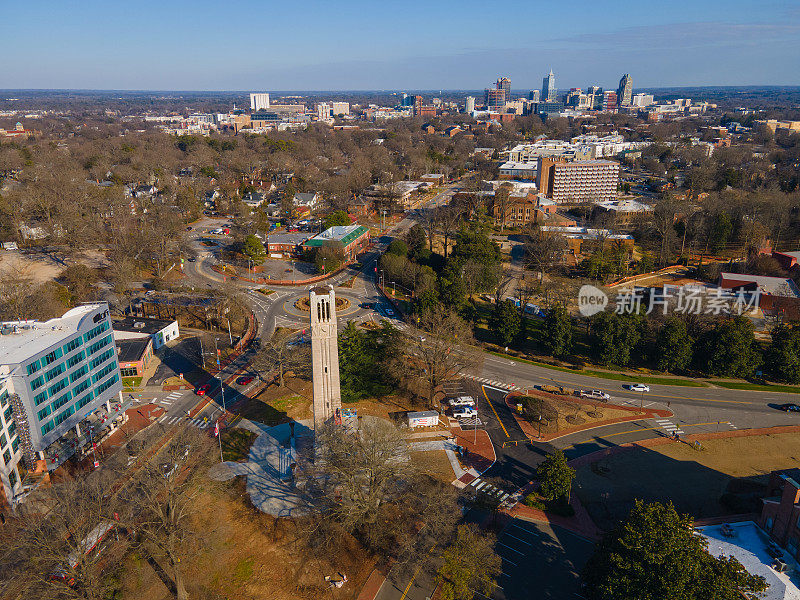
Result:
x=780 y=513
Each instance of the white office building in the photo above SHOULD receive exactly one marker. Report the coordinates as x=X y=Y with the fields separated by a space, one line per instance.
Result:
x=60 y=390
x=259 y=101
x=340 y=108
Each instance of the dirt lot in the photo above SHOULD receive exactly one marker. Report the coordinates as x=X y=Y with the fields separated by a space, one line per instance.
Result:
x=240 y=553
x=726 y=477
x=276 y=404
x=435 y=463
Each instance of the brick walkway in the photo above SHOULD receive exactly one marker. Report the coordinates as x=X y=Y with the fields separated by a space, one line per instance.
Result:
x=480 y=456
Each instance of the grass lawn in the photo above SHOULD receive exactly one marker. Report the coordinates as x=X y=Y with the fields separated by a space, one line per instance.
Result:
x=735 y=385
x=607 y=375
x=236 y=443
x=131 y=383
x=266 y=292
x=726 y=477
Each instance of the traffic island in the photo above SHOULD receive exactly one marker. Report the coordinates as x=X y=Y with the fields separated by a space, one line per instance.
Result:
x=562 y=415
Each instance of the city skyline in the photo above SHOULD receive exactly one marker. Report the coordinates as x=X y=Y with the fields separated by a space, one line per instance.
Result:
x=583 y=44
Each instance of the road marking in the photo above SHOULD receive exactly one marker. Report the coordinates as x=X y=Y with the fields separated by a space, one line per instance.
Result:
x=408 y=587
x=657 y=428
x=518 y=539
x=508 y=560
x=483 y=389
x=509 y=547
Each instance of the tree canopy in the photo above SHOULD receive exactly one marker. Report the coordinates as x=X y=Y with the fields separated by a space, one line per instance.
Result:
x=655 y=554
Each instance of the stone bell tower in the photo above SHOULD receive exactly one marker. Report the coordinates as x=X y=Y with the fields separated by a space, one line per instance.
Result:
x=325 y=356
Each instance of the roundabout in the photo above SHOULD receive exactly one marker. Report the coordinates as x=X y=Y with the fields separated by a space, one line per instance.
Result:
x=341 y=304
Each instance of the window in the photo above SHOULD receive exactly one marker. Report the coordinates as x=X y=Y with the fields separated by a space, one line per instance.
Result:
x=40 y=397
x=81 y=386
x=47 y=428
x=8 y=413
x=54 y=372
x=63 y=416
x=53 y=356
x=61 y=401
x=7 y=456
x=77 y=374
x=37 y=383
x=33 y=367
x=83 y=401
x=96 y=362
x=129 y=372
x=107 y=384
x=72 y=345
x=12 y=478
x=104 y=371
x=3 y=398
x=74 y=360
x=44 y=413
x=99 y=344
x=12 y=427
x=3 y=441
x=57 y=387
x=96 y=331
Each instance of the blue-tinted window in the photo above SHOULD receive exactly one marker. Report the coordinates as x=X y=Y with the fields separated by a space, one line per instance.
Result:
x=77 y=374
x=83 y=401
x=7 y=415
x=47 y=427
x=54 y=389
x=61 y=401
x=40 y=397
x=53 y=356
x=74 y=360
x=59 y=419
x=37 y=383
x=33 y=367
x=71 y=345
x=44 y=413
x=54 y=372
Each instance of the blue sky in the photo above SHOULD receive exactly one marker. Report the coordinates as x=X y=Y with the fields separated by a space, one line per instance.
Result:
x=405 y=44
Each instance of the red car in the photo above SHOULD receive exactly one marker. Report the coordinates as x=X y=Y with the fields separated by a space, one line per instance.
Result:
x=202 y=389
x=245 y=379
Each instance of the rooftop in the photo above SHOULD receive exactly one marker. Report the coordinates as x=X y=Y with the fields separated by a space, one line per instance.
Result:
x=296 y=237
x=749 y=546
x=141 y=324
x=20 y=340
x=775 y=286
x=132 y=350
x=339 y=233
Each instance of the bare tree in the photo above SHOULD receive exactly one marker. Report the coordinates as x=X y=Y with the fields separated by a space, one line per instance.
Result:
x=163 y=494
x=282 y=354
x=56 y=551
x=438 y=350
x=543 y=249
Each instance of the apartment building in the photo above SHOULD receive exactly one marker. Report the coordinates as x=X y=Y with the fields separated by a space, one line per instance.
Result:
x=578 y=181
x=58 y=379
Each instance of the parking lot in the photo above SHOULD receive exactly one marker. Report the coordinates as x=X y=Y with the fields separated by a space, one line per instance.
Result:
x=536 y=556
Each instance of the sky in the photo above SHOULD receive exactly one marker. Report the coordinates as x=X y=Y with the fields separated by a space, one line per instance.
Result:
x=404 y=44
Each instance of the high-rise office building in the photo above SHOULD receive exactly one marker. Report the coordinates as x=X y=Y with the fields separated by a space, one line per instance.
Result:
x=494 y=98
x=625 y=90
x=534 y=95
x=470 y=104
x=340 y=108
x=58 y=379
x=549 y=87
x=504 y=83
x=259 y=101
x=610 y=100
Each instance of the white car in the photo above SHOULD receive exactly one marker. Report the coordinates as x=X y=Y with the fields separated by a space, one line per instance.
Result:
x=637 y=387
x=462 y=401
x=595 y=394
x=465 y=412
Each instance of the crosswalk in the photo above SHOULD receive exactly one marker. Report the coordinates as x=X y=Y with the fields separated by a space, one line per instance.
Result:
x=470 y=422
x=174 y=419
x=493 y=382
x=171 y=398
x=669 y=426
x=488 y=489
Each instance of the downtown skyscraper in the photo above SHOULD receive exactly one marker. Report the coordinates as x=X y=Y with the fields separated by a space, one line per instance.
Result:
x=549 y=87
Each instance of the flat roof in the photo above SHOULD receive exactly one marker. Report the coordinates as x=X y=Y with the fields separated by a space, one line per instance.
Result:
x=748 y=545
x=21 y=340
x=345 y=234
x=142 y=324
x=776 y=286
x=296 y=237
x=132 y=350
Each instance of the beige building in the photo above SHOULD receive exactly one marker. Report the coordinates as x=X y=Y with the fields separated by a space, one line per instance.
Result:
x=578 y=181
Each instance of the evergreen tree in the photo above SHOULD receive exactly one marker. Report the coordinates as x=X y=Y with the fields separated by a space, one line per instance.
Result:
x=558 y=331
x=555 y=476
x=731 y=349
x=655 y=554
x=673 y=347
x=784 y=353
x=505 y=322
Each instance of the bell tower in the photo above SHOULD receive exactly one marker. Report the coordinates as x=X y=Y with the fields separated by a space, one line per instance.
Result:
x=325 y=356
